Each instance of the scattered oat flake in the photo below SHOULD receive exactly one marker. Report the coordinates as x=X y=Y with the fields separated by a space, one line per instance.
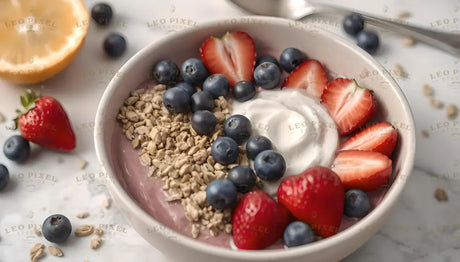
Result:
x=107 y=202
x=37 y=251
x=95 y=243
x=2 y=118
x=440 y=195
x=83 y=164
x=425 y=133
x=428 y=90
x=399 y=71
x=403 y=14
x=55 y=251
x=436 y=103
x=37 y=231
x=84 y=230
x=452 y=111
x=408 y=41
x=83 y=215
x=98 y=231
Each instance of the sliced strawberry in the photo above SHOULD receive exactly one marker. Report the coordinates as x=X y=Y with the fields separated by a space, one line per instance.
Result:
x=233 y=55
x=379 y=137
x=350 y=105
x=258 y=221
x=316 y=197
x=309 y=75
x=365 y=170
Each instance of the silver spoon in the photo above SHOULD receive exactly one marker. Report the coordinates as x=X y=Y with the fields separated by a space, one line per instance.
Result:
x=298 y=9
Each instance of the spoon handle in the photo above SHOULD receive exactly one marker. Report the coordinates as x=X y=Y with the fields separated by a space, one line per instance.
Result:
x=449 y=42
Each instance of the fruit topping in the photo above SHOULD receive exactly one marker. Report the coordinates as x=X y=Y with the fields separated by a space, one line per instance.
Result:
x=193 y=71
x=290 y=58
x=204 y=122
x=166 y=72
x=267 y=58
x=379 y=137
x=309 y=75
x=297 y=233
x=233 y=55
x=224 y=150
x=269 y=165
x=350 y=105
x=45 y=122
x=221 y=194
x=176 y=100
x=16 y=148
x=257 y=144
x=258 y=221
x=187 y=88
x=357 y=203
x=237 y=127
x=243 y=178
x=217 y=85
x=365 y=170
x=267 y=75
x=56 y=228
x=316 y=197
x=202 y=100
x=244 y=91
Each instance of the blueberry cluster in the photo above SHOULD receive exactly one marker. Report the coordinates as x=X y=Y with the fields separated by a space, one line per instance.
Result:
x=353 y=24
x=114 y=44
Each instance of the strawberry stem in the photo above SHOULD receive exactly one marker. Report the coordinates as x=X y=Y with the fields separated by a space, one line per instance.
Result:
x=28 y=102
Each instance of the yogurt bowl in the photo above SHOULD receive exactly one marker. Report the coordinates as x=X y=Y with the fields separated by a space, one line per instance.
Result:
x=141 y=199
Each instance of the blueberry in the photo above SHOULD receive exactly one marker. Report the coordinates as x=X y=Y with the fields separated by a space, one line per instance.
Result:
x=4 y=177
x=267 y=58
x=242 y=177
x=102 y=13
x=269 y=165
x=224 y=150
x=114 y=45
x=353 y=24
x=16 y=148
x=357 y=203
x=56 y=228
x=176 y=100
x=165 y=72
x=187 y=88
x=244 y=91
x=238 y=127
x=257 y=144
x=297 y=233
x=202 y=100
x=193 y=71
x=267 y=75
x=290 y=58
x=217 y=85
x=221 y=194
x=204 y=122
x=368 y=41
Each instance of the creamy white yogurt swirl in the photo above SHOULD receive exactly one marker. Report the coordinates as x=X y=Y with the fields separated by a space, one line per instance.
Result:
x=299 y=127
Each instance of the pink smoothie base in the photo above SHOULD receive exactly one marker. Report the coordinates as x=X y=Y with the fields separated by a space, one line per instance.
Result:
x=149 y=195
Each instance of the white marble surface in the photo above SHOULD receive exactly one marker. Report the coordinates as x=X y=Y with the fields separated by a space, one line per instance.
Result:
x=418 y=229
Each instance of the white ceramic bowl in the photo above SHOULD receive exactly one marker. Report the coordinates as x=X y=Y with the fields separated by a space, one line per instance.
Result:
x=271 y=36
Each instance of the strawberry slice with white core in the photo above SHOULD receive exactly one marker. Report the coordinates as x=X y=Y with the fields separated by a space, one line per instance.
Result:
x=379 y=137
x=233 y=55
x=309 y=75
x=365 y=170
x=350 y=105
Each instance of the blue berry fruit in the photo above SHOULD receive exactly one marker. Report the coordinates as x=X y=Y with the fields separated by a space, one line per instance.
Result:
x=269 y=165
x=166 y=72
x=357 y=203
x=244 y=91
x=204 y=122
x=102 y=13
x=238 y=127
x=243 y=178
x=4 y=177
x=176 y=100
x=267 y=58
x=224 y=150
x=368 y=41
x=290 y=58
x=193 y=71
x=56 y=228
x=297 y=233
x=16 y=148
x=202 y=100
x=257 y=144
x=217 y=85
x=187 y=88
x=221 y=194
x=353 y=24
x=114 y=45
x=267 y=75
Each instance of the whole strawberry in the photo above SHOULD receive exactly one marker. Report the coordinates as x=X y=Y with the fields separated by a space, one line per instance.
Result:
x=258 y=221
x=316 y=197
x=45 y=122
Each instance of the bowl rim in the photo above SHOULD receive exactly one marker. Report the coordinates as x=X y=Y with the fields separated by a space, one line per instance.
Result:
x=367 y=222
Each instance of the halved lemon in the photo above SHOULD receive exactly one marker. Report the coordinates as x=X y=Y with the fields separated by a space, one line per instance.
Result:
x=38 y=38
